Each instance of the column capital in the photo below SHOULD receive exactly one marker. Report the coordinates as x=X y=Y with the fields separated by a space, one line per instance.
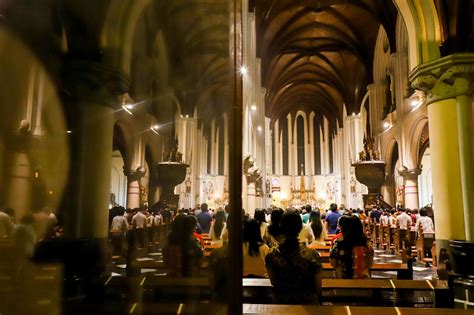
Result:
x=445 y=78
x=90 y=81
x=134 y=175
x=409 y=174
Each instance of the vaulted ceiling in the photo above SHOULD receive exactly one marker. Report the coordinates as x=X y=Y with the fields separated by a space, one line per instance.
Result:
x=317 y=55
x=182 y=49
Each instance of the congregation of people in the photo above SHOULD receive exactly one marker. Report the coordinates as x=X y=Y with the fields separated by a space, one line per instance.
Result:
x=277 y=243
x=25 y=233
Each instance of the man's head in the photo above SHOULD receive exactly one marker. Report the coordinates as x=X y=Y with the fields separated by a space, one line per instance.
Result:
x=333 y=207
x=204 y=207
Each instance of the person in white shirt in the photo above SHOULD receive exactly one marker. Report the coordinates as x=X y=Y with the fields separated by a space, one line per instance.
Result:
x=259 y=216
x=404 y=223
x=6 y=223
x=139 y=224
x=426 y=224
x=254 y=250
x=217 y=228
x=384 y=219
x=118 y=231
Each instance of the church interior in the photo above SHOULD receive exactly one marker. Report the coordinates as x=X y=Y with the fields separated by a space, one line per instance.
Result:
x=142 y=142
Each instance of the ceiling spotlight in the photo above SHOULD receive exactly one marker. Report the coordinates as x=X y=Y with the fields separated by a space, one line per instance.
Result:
x=386 y=125
x=259 y=128
x=69 y=131
x=243 y=70
x=128 y=108
x=127 y=103
x=353 y=114
x=155 y=128
x=415 y=102
x=187 y=116
x=253 y=107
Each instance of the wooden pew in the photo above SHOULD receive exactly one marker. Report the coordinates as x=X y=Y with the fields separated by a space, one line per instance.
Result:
x=424 y=244
x=403 y=271
x=334 y=290
x=156 y=288
x=353 y=310
x=320 y=248
x=75 y=308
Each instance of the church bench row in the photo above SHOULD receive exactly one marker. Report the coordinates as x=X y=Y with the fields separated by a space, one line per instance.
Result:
x=201 y=308
x=375 y=291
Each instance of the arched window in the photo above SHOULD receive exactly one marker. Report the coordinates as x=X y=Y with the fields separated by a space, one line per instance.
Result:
x=331 y=153
x=285 y=147
x=300 y=143
x=274 y=136
x=317 y=144
x=220 y=134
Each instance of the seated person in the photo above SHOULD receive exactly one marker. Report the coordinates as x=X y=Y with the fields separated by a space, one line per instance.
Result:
x=318 y=228
x=217 y=228
x=273 y=235
x=293 y=268
x=253 y=250
x=182 y=254
x=351 y=255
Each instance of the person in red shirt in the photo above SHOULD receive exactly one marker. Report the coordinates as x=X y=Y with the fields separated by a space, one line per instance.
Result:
x=199 y=238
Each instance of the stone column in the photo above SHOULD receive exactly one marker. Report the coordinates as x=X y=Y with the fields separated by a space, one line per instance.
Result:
x=94 y=91
x=19 y=174
x=410 y=178
x=133 y=187
x=447 y=83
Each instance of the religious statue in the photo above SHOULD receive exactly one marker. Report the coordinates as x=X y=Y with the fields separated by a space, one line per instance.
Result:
x=369 y=153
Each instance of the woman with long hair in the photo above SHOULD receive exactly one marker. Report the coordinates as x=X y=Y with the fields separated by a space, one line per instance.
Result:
x=259 y=216
x=294 y=269
x=351 y=255
x=319 y=230
x=254 y=250
x=273 y=236
x=182 y=254
x=217 y=227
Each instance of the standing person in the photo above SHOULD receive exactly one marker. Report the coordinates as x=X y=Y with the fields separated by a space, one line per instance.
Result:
x=24 y=237
x=182 y=254
x=332 y=219
x=118 y=231
x=375 y=215
x=6 y=223
x=427 y=227
x=425 y=222
x=150 y=231
x=351 y=255
x=204 y=218
x=404 y=223
x=139 y=224
x=217 y=228
x=294 y=269
x=414 y=216
x=254 y=251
